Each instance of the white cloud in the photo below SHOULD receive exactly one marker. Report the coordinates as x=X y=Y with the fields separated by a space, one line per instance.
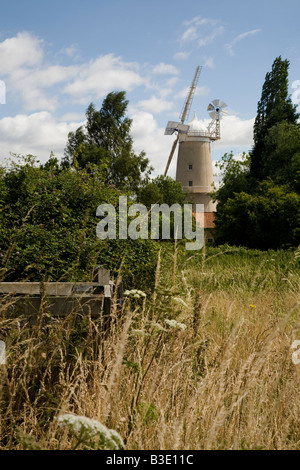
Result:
x=181 y=55
x=71 y=51
x=238 y=38
x=75 y=117
x=97 y=78
x=169 y=84
x=29 y=77
x=203 y=41
x=202 y=30
x=161 y=85
x=32 y=86
x=23 y=50
x=199 y=21
x=189 y=35
x=235 y=133
x=39 y=87
x=37 y=134
x=209 y=63
x=200 y=91
x=149 y=137
x=165 y=69
x=155 y=105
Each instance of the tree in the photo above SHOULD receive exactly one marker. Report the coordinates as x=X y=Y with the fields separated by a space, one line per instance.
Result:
x=282 y=154
x=262 y=214
x=259 y=200
x=269 y=218
x=235 y=176
x=48 y=227
x=105 y=141
x=274 y=107
x=161 y=190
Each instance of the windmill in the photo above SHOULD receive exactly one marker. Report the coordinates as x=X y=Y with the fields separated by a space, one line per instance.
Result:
x=194 y=163
x=180 y=127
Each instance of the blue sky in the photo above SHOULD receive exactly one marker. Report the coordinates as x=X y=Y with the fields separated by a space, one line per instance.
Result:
x=56 y=58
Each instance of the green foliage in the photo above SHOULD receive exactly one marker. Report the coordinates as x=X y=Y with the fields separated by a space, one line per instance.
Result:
x=161 y=190
x=106 y=142
x=235 y=176
x=48 y=212
x=241 y=318
x=242 y=271
x=269 y=218
x=48 y=227
x=148 y=412
x=138 y=259
x=258 y=202
x=274 y=107
x=282 y=155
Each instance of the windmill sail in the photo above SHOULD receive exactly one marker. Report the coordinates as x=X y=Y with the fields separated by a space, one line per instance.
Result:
x=171 y=155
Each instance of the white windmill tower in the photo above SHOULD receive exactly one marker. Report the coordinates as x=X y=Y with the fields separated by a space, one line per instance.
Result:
x=194 y=163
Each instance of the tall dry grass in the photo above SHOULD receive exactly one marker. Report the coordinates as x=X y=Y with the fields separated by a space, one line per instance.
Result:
x=226 y=381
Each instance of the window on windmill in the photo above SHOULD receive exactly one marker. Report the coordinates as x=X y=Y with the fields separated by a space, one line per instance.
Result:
x=210 y=241
x=190 y=183
x=190 y=167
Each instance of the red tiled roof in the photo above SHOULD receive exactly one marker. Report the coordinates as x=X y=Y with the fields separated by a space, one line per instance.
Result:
x=209 y=218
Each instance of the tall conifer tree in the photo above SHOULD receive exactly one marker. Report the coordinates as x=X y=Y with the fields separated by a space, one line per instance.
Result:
x=274 y=107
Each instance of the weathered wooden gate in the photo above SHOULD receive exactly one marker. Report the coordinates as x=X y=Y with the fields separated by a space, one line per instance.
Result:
x=63 y=298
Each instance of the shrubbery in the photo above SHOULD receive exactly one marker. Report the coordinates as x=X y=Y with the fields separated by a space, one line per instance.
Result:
x=48 y=226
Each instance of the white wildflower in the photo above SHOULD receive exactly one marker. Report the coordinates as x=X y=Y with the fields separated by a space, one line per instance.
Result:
x=176 y=325
x=109 y=438
x=139 y=333
x=135 y=293
x=117 y=439
x=156 y=326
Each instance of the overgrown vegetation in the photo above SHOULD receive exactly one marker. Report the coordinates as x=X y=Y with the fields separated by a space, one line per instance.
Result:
x=48 y=211
x=259 y=201
x=199 y=355
x=203 y=362
x=48 y=227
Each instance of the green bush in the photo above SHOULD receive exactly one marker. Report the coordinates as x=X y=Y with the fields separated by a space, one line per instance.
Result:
x=48 y=226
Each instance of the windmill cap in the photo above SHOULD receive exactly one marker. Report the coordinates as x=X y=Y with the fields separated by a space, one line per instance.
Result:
x=195 y=125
